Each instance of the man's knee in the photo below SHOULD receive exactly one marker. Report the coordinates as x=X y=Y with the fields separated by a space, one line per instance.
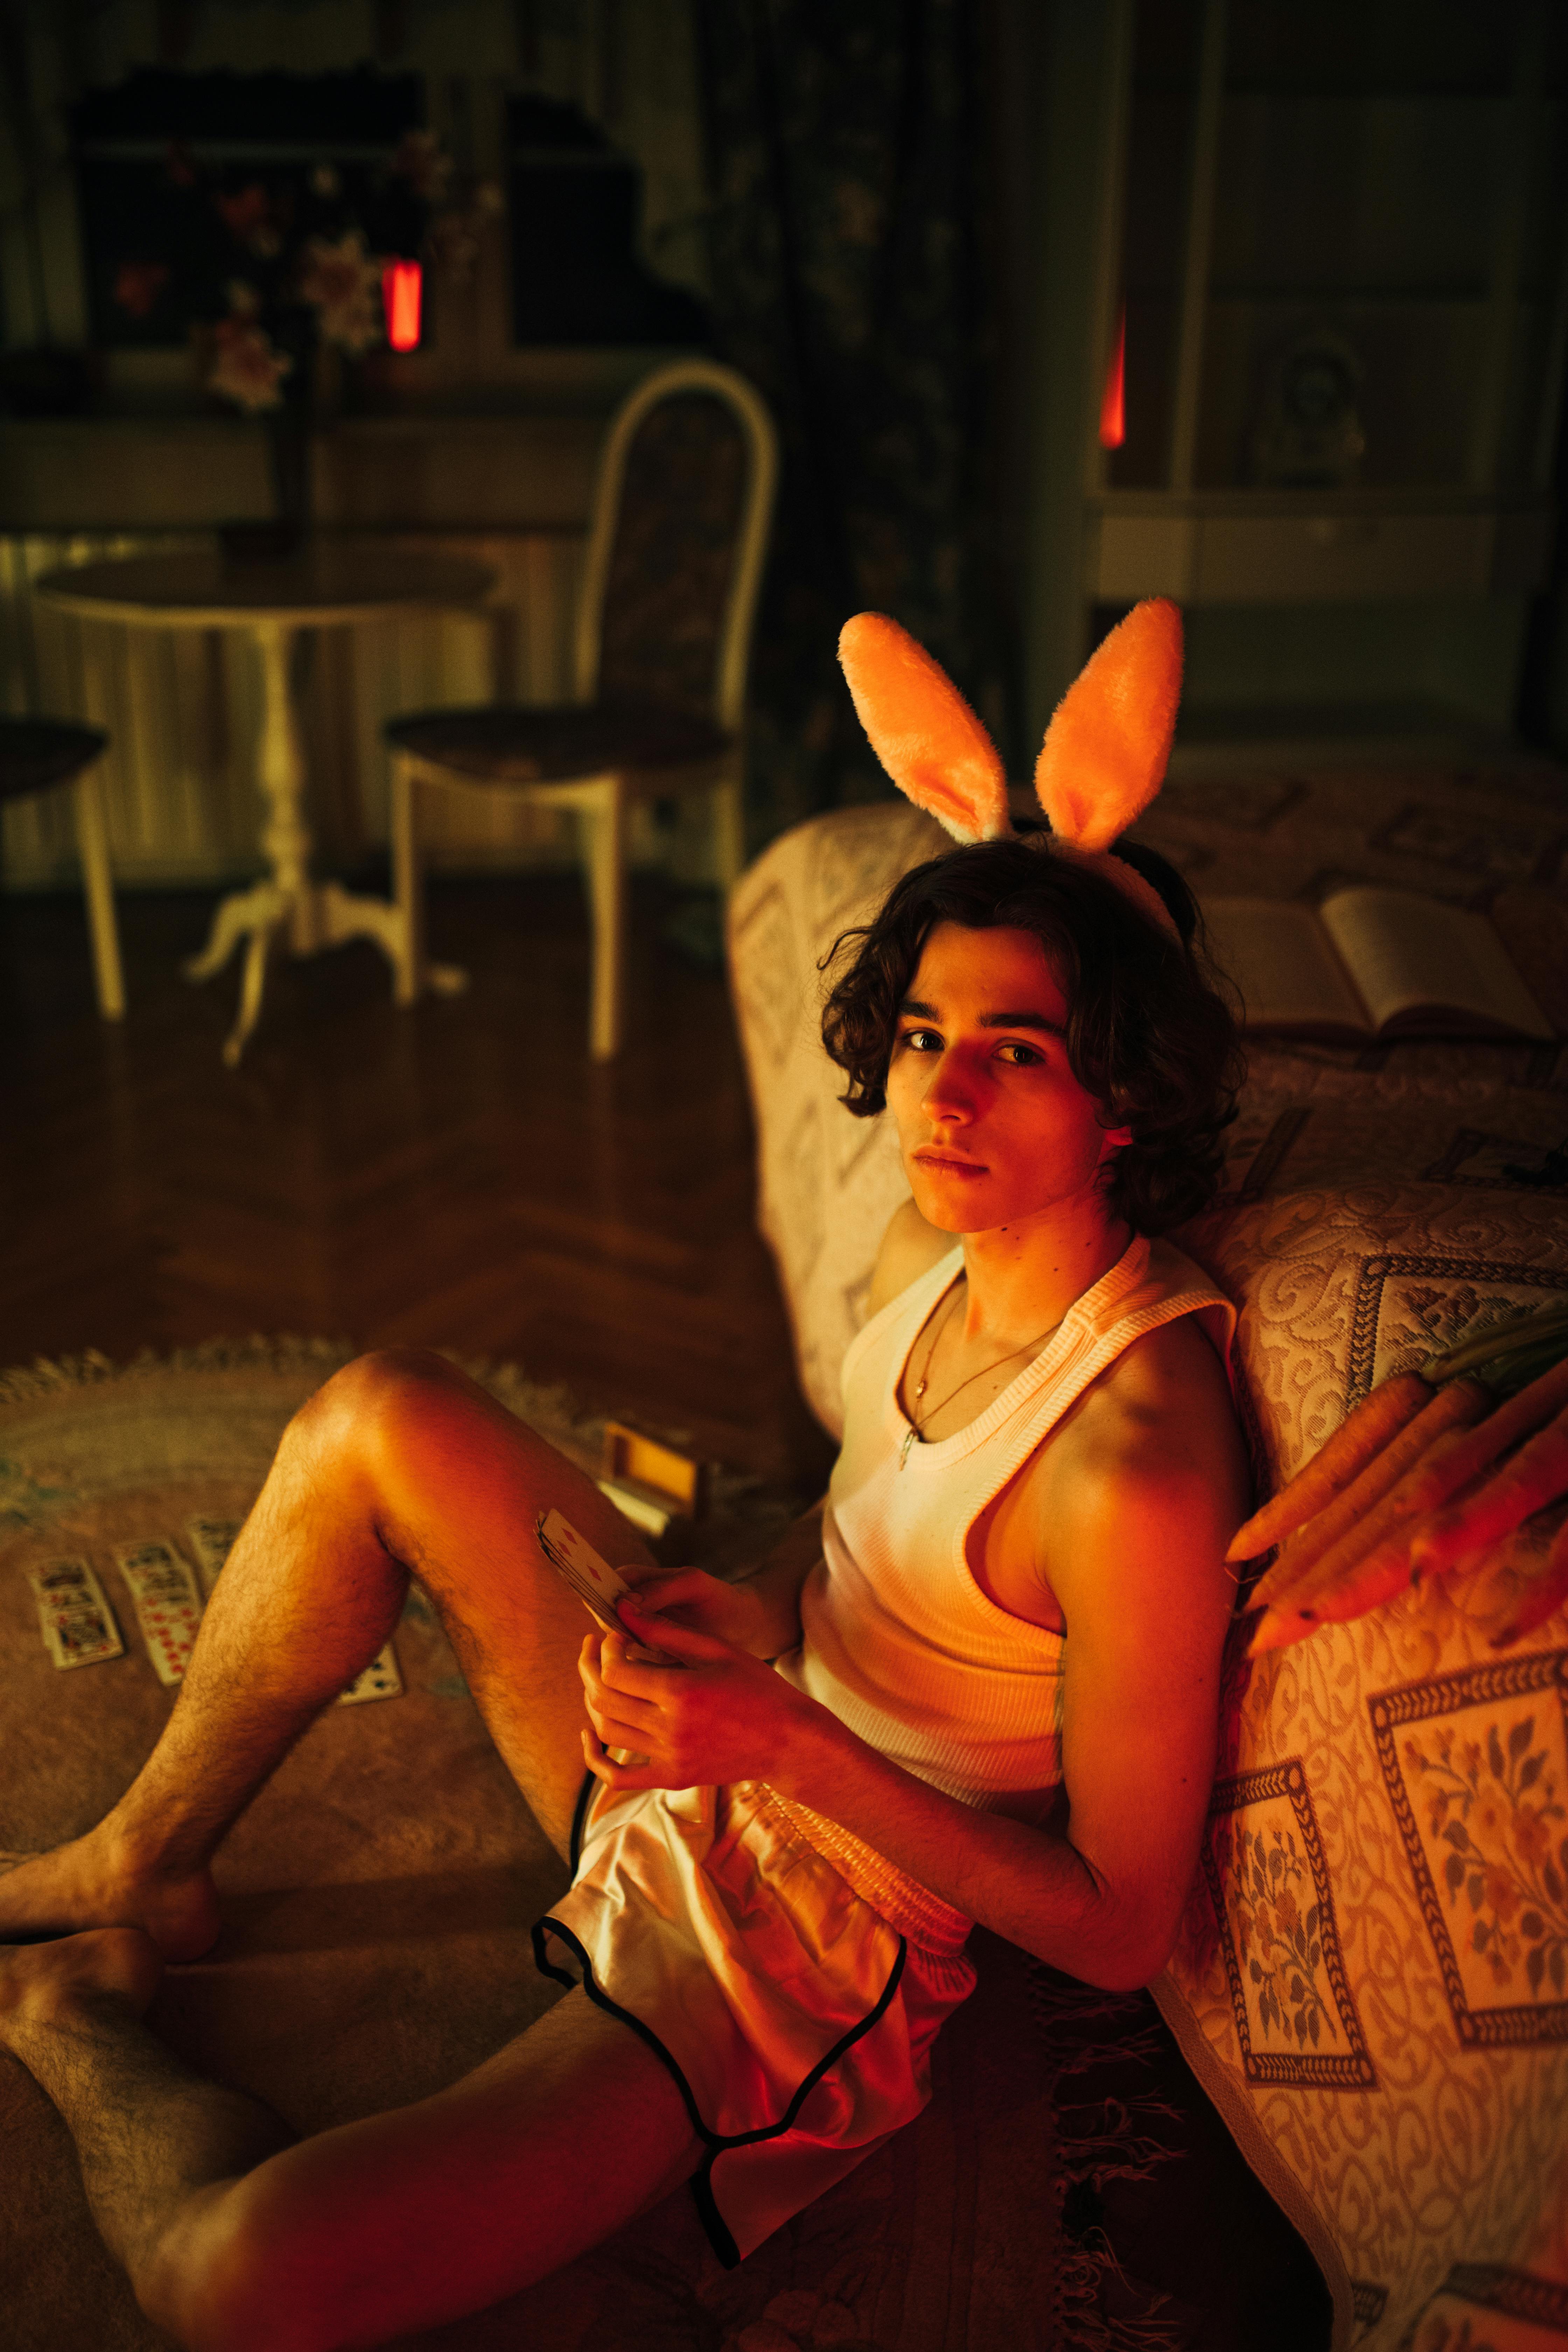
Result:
x=400 y=1428
x=371 y=1408
x=223 y=2277
x=384 y=1381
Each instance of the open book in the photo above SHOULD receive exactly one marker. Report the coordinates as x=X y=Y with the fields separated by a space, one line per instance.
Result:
x=1371 y=963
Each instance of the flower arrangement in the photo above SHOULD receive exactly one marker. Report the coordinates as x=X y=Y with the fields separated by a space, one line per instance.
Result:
x=281 y=262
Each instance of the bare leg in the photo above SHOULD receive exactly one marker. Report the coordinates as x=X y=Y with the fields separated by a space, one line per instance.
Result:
x=236 y=2235
x=398 y=1465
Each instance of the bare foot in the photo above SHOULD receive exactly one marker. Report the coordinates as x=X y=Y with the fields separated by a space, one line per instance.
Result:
x=42 y=1983
x=90 y=1884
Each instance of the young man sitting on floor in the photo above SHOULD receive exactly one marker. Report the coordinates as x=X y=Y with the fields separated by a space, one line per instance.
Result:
x=983 y=1687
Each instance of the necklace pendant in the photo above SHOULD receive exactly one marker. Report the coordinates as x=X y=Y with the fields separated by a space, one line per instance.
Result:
x=919 y=1388
x=909 y=1436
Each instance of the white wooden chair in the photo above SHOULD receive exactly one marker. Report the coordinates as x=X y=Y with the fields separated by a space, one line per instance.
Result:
x=678 y=532
x=38 y=755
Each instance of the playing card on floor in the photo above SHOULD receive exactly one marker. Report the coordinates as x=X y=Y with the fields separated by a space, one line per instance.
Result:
x=168 y=1605
x=379 y=1679
x=78 y=1623
x=212 y=1541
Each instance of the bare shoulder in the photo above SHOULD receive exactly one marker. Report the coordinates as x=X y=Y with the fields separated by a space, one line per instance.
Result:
x=1168 y=1385
x=1148 y=1476
x=911 y=1247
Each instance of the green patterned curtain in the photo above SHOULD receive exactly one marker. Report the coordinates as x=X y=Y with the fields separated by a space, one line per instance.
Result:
x=847 y=278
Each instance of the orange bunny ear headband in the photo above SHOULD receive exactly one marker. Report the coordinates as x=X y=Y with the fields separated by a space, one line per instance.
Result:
x=1102 y=762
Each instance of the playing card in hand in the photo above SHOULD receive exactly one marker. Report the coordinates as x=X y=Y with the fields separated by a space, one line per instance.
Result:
x=593 y=1580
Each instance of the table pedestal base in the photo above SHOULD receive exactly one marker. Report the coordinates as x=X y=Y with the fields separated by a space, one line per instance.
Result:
x=325 y=584
x=305 y=919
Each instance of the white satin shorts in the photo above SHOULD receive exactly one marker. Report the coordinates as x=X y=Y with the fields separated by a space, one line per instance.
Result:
x=790 y=1980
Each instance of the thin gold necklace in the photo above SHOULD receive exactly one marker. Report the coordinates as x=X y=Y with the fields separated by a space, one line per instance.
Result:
x=916 y=1428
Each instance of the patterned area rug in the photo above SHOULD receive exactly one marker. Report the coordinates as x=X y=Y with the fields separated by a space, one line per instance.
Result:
x=376 y=1947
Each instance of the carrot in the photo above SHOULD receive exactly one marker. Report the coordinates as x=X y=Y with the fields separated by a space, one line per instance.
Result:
x=1372 y=1562
x=1359 y=1439
x=1536 y=1475
x=1308 y=1545
x=1456 y=1462
x=1449 y=1472
x=1475 y=1450
x=1340 y=1519
x=1368 y=1511
x=1512 y=1586
x=1546 y=1594
x=1300 y=1552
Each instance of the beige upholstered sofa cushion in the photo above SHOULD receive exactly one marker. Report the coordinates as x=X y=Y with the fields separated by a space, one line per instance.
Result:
x=1370 y=1977
x=1370 y=1982
x=827 y=1183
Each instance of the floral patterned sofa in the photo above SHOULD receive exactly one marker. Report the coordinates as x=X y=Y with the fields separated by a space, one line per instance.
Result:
x=1370 y=1982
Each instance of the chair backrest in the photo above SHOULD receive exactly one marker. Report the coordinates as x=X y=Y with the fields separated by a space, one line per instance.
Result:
x=679 y=529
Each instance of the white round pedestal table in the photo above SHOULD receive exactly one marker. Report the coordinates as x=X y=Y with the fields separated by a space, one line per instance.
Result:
x=324 y=584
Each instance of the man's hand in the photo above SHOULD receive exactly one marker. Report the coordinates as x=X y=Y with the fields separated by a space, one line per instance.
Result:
x=736 y=1614
x=720 y=1715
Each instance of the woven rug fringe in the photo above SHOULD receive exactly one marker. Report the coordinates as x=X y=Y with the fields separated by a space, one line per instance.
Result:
x=755 y=1506
x=287 y=1352
x=1062 y=2002
x=1101 y=2140
x=1140 y=2048
x=1117 y=2151
x=1082 y=2323
x=283 y=1352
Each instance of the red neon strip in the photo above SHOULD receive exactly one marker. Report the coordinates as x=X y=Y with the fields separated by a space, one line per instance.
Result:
x=401 y=284
x=1113 y=406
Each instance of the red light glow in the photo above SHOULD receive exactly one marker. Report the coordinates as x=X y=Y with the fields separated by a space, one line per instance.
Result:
x=1113 y=406
x=400 y=292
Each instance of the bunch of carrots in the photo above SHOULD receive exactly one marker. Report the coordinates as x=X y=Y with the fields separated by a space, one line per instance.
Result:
x=1458 y=1470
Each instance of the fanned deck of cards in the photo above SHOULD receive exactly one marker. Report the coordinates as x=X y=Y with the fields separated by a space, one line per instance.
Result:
x=168 y=1605
x=593 y=1580
x=78 y=1623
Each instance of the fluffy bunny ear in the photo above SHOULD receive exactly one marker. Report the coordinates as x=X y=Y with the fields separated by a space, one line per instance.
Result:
x=924 y=732
x=1105 y=751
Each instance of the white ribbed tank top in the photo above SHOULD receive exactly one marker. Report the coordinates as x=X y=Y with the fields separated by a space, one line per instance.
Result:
x=899 y=1641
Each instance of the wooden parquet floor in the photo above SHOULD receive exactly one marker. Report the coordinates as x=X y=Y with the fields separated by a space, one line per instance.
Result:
x=457 y=1175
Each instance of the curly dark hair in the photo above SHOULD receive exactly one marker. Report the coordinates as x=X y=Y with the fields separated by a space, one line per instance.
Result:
x=1151 y=1032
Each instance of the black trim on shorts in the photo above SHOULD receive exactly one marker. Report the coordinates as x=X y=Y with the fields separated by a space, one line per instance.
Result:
x=719 y=2236
x=580 y=1820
